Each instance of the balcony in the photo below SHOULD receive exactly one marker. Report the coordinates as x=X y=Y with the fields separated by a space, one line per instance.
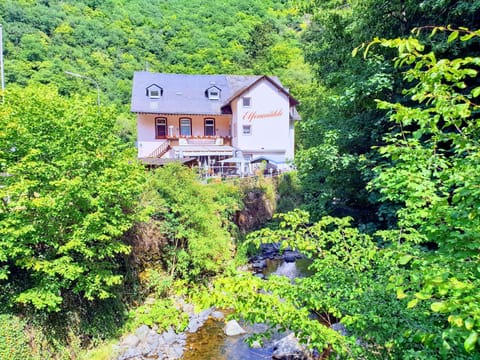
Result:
x=200 y=140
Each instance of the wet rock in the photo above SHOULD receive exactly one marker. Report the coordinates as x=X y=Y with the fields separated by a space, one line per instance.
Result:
x=130 y=354
x=217 y=315
x=288 y=348
x=232 y=328
x=174 y=351
x=169 y=336
x=289 y=256
x=259 y=264
x=205 y=314
x=270 y=250
x=194 y=325
x=260 y=275
x=197 y=320
x=340 y=328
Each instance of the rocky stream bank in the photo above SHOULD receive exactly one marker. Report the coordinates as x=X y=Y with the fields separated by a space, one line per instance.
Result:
x=209 y=336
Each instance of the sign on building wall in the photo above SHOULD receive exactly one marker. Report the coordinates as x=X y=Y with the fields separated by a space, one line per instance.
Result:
x=253 y=115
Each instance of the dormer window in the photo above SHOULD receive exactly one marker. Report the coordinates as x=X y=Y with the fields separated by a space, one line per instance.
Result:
x=154 y=91
x=213 y=93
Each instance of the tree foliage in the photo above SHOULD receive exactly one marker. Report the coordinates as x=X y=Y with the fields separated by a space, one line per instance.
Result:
x=433 y=172
x=69 y=191
x=109 y=39
x=341 y=106
x=410 y=292
x=194 y=219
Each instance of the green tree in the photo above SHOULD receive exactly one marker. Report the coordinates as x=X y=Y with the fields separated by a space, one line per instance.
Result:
x=69 y=191
x=346 y=87
x=432 y=172
x=194 y=220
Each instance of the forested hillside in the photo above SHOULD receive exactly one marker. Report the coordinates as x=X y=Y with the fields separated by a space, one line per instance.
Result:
x=109 y=40
x=92 y=246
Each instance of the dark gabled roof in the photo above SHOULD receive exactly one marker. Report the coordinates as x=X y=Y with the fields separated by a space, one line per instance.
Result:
x=213 y=87
x=185 y=93
x=153 y=85
x=273 y=80
x=182 y=94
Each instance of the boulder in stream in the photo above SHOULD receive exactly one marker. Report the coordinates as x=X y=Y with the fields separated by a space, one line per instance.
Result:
x=232 y=328
x=288 y=348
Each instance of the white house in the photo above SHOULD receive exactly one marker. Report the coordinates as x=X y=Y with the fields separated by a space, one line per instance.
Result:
x=213 y=117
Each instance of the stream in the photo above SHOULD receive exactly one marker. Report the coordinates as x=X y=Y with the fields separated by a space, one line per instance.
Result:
x=210 y=342
x=204 y=338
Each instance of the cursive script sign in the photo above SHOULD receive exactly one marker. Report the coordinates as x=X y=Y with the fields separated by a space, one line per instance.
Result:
x=253 y=115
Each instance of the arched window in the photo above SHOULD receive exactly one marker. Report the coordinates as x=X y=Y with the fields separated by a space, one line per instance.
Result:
x=209 y=126
x=161 y=128
x=185 y=127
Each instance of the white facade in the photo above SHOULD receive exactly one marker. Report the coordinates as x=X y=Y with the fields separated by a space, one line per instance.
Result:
x=261 y=121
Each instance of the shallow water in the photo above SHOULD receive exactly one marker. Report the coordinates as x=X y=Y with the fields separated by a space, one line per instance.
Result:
x=210 y=343
x=291 y=270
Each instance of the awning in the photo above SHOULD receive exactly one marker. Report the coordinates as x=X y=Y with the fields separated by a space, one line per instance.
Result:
x=235 y=160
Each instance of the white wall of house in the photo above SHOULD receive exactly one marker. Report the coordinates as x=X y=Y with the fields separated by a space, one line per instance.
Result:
x=268 y=120
x=146 y=127
x=146 y=142
x=290 y=151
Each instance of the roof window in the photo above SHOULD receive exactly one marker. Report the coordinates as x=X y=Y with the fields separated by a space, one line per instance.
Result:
x=213 y=93
x=154 y=91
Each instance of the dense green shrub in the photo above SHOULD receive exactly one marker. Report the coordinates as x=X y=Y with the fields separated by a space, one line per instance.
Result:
x=14 y=342
x=289 y=192
x=161 y=313
x=194 y=219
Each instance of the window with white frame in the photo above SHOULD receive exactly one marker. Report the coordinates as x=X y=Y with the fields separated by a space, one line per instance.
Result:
x=209 y=127
x=213 y=93
x=185 y=127
x=154 y=91
x=247 y=129
x=246 y=101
